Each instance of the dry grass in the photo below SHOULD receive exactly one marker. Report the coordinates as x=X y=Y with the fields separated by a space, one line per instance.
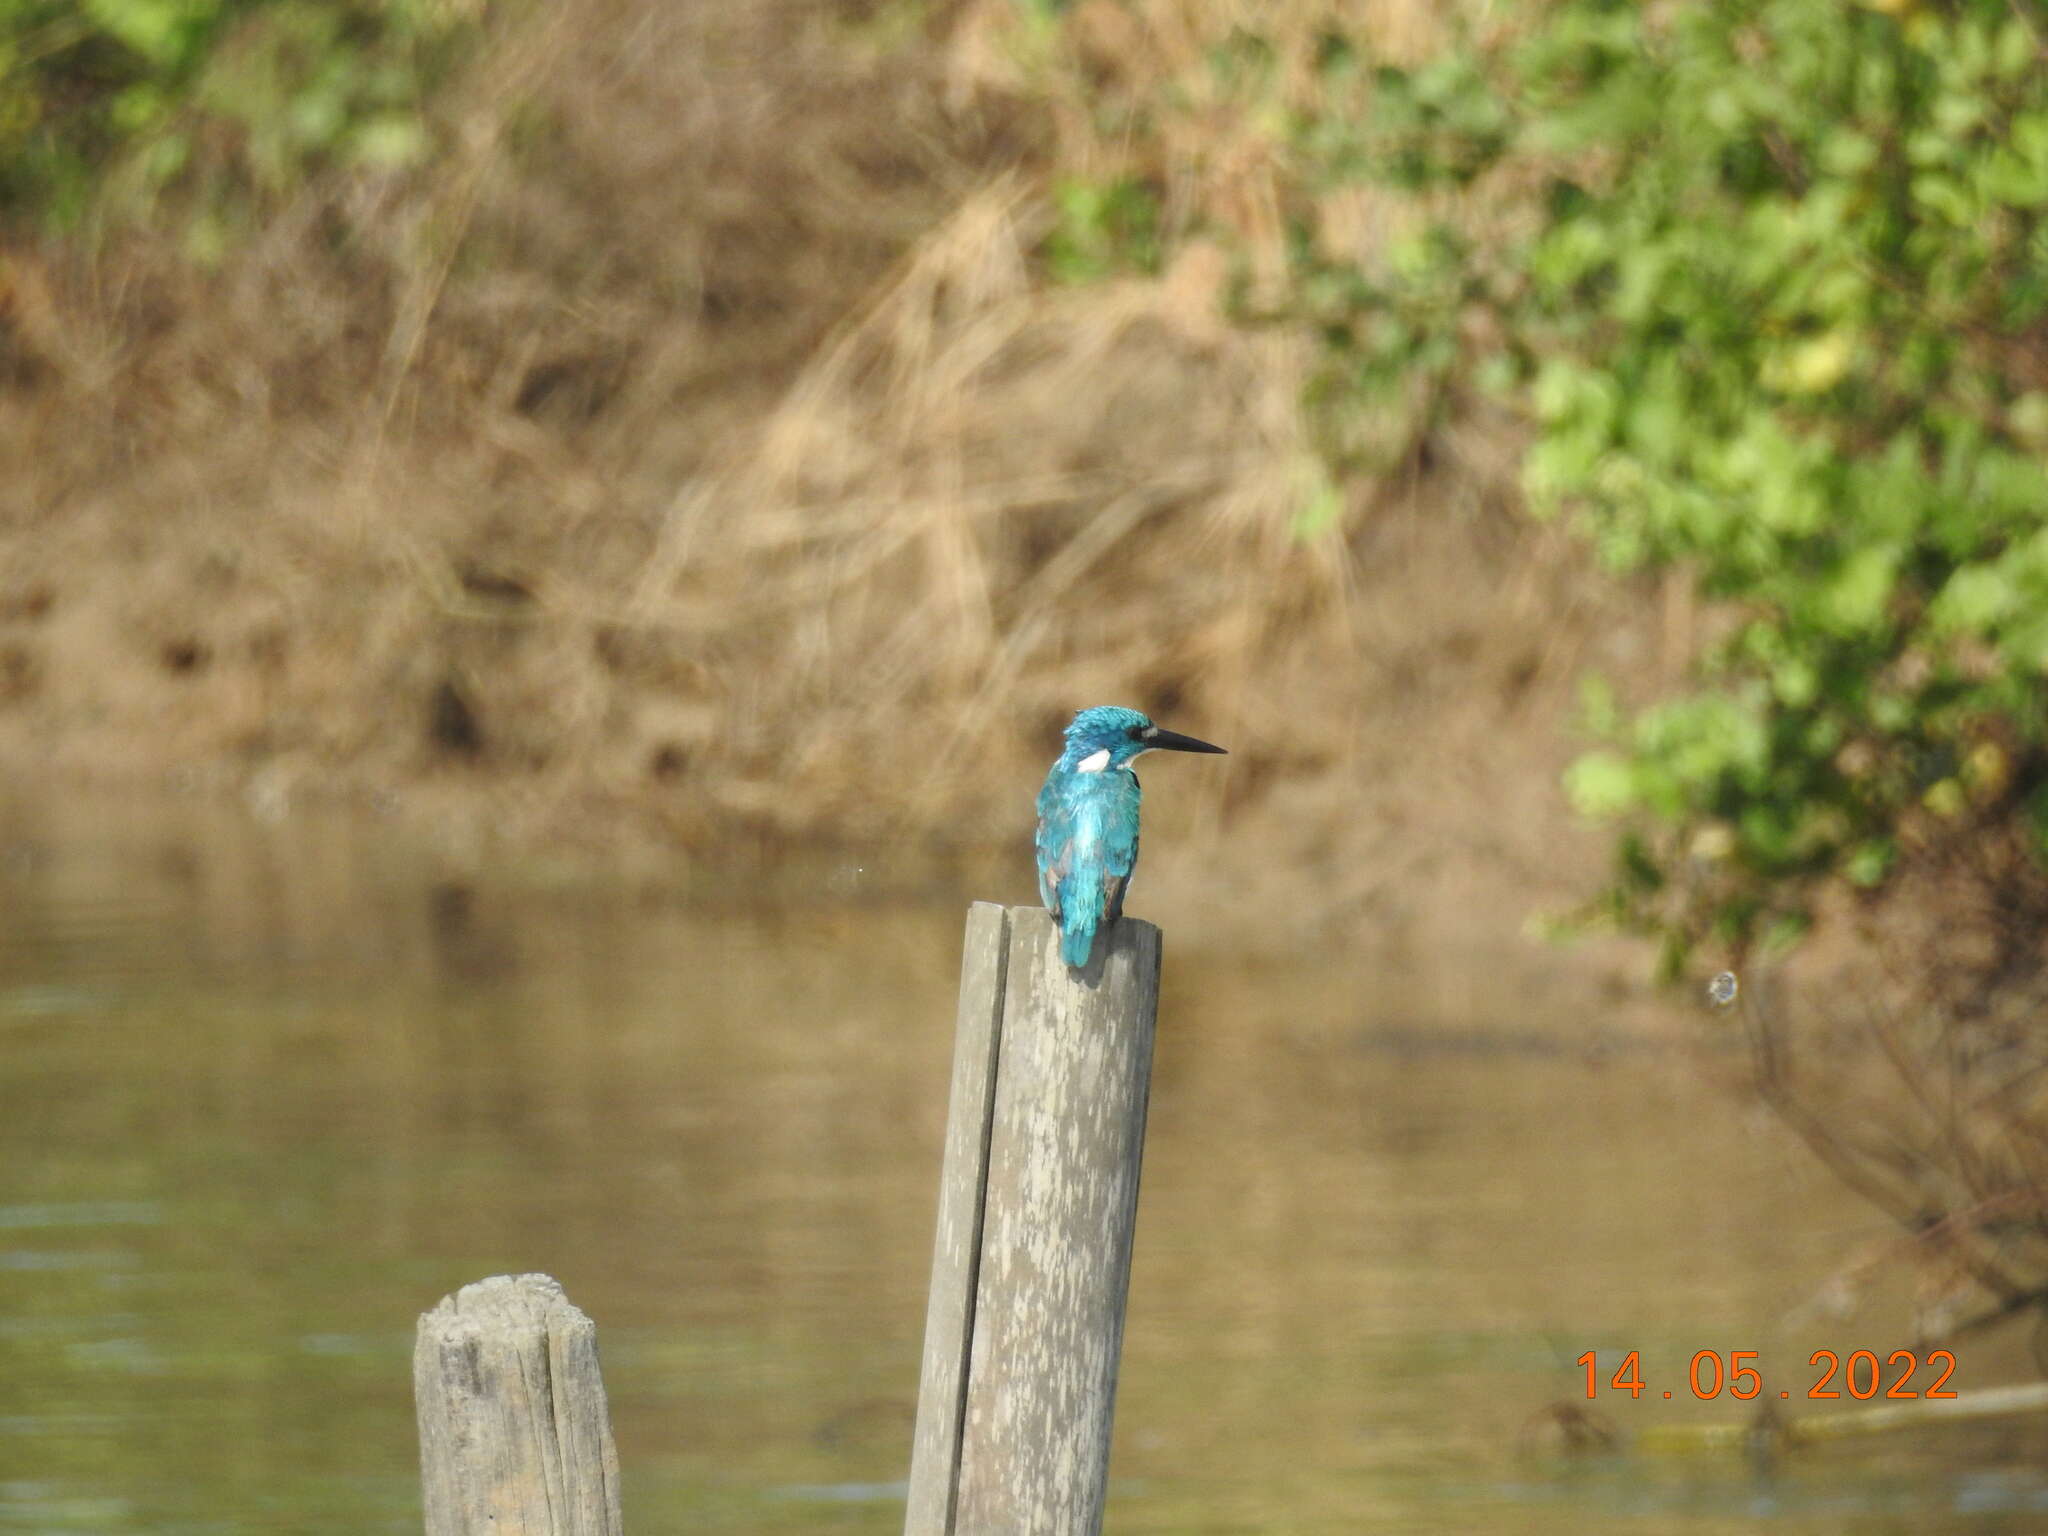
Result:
x=700 y=437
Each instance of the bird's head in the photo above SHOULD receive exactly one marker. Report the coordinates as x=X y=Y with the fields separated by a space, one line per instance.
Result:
x=1109 y=737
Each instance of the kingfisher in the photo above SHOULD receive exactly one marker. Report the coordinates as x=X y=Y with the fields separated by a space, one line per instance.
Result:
x=1088 y=821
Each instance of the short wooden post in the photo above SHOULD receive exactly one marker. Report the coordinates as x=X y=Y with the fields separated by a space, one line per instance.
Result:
x=1038 y=1204
x=515 y=1437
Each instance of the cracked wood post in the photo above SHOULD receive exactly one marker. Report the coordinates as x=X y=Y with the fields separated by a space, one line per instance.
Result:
x=515 y=1437
x=1038 y=1201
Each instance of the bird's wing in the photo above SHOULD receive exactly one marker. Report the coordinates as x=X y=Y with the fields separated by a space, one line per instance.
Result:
x=1114 y=886
x=1099 y=838
x=1055 y=851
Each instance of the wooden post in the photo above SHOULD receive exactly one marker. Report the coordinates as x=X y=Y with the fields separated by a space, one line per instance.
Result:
x=1038 y=1203
x=515 y=1437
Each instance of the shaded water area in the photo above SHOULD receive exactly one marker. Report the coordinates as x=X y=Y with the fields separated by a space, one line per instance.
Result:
x=267 y=1092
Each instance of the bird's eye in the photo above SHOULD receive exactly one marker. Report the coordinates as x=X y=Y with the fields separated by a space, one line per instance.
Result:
x=1136 y=733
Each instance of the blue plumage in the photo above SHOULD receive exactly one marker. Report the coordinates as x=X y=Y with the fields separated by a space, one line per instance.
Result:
x=1088 y=821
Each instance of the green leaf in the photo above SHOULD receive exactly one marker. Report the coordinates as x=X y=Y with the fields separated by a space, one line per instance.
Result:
x=1857 y=594
x=1869 y=862
x=1975 y=599
x=1601 y=785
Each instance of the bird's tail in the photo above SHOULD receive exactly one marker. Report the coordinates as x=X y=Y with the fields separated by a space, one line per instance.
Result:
x=1076 y=944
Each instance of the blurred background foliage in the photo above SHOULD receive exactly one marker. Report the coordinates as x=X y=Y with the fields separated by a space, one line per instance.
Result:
x=108 y=106
x=1749 y=293
x=1766 y=282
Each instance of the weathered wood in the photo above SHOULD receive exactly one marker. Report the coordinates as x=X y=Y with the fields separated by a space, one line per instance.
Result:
x=956 y=1251
x=1040 y=1297
x=515 y=1437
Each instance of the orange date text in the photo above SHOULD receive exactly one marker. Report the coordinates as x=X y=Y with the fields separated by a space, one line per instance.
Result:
x=1859 y=1375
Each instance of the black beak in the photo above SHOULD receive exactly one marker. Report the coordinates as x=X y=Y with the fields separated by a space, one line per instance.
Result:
x=1173 y=741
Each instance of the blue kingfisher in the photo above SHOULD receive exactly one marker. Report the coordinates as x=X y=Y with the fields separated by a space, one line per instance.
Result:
x=1088 y=821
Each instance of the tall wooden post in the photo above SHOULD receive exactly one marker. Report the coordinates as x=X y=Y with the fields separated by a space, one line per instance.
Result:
x=1038 y=1204
x=515 y=1437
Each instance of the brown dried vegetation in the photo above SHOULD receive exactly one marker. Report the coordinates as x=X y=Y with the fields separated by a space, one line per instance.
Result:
x=700 y=440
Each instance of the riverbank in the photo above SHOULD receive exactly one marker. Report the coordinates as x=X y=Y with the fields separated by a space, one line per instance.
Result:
x=632 y=485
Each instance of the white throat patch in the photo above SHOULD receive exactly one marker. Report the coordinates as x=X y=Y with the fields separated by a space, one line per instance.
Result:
x=1094 y=762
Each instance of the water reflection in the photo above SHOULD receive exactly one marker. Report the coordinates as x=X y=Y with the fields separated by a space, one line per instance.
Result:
x=266 y=1094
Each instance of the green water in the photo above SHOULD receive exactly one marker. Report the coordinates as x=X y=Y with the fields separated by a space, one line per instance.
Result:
x=268 y=1092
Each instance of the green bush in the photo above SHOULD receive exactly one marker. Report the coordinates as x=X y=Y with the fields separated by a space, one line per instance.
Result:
x=1780 y=307
x=1768 y=280
x=105 y=105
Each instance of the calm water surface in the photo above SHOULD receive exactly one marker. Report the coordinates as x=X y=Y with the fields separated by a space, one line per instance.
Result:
x=266 y=1093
